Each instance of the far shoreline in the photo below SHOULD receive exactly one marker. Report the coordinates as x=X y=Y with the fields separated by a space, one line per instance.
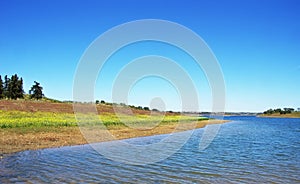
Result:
x=293 y=115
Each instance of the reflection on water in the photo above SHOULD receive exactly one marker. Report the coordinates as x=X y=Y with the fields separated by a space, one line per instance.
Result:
x=248 y=150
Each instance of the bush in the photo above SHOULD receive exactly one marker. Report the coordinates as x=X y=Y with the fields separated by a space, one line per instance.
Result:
x=146 y=108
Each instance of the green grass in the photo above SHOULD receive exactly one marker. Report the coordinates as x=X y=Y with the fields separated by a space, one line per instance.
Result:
x=18 y=119
x=13 y=119
x=44 y=99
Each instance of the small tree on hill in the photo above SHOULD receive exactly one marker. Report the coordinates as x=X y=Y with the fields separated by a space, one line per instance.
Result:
x=277 y=110
x=146 y=108
x=36 y=91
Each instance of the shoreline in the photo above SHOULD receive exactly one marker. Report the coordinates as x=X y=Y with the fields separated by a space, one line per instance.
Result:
x=17 y=140
x=278 y=117
x=32 y=125
x=297 y=115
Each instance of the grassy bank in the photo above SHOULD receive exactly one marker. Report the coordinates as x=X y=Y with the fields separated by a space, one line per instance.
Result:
x=278 y=115
x=24 y=130
x=32 y=138
x=19 y=119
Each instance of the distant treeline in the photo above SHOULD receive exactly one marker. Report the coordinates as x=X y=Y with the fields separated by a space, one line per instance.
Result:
x=280 y=111
x=125 y=105
x=12 y=88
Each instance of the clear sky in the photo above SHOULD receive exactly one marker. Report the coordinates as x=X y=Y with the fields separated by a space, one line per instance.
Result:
x=256 y=42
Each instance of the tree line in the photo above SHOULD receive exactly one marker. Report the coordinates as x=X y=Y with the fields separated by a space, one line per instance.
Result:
x=280 y=111
x=12 y=88
x=131 y=106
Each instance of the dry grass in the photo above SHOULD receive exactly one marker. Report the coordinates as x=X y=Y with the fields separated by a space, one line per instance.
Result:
x=278 y=115
x=30 y=125
x=16 y=139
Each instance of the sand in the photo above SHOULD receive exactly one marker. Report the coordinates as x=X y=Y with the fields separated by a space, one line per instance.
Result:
x=16 y=139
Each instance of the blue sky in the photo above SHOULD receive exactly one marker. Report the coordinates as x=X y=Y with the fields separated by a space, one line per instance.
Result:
x=256 y=42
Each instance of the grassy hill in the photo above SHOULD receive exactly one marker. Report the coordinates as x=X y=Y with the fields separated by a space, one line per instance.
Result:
x=278 y=115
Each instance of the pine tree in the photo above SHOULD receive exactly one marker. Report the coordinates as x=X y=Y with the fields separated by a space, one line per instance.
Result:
x=36 y=91
x=6 y=92
x=1 y=88
x=14 y=87
x=20 y=91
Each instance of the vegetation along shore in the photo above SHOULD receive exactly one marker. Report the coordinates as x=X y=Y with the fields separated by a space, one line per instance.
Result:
x=31 y=124
x=32 y=121
x=281 y=113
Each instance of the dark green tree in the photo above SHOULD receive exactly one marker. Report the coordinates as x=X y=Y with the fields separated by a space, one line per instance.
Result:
x=288 y=110
x=12 y=85
x=270 y=111
x=6 y=92
x=1 y=88
x=12 y=88
x=20 y=90
x=36 y=91
x=146 y=108
x=277 y=110
x=15 y=87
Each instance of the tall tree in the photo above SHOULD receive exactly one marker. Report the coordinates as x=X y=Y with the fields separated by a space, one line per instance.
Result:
x=12 y=88
x=36 y=91
x=15 y=87
x=1 y=88
x=6 y=92
x=20 y=90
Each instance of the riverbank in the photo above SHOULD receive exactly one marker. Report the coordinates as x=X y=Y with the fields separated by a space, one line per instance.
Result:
x=278 y=115
x=28 y=138
x=30 y=125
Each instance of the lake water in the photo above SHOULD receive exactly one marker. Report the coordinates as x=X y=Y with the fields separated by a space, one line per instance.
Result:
x=246 y=150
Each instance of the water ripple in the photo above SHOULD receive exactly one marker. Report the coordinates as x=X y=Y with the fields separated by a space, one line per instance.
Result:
x=248 y=150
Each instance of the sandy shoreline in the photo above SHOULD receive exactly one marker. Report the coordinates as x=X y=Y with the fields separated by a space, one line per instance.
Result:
x=15 y=140
x=281 y=116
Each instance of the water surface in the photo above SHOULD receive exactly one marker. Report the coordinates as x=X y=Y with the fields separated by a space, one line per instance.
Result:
x=246 y=150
